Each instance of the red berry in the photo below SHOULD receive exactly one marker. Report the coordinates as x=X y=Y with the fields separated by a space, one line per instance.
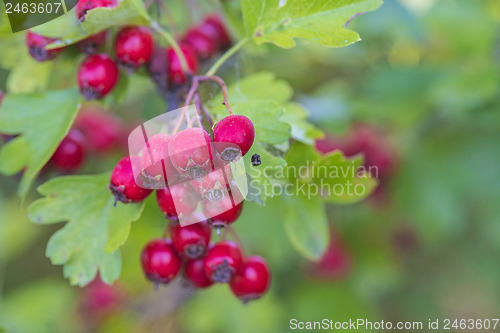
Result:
x=190 y=241
x=252 y=281
x=134 y=46
x=99 y=299
x=222 y=261
x=102 y=130
x=214 y=27
x=123 y=183
x=213 y=186
x=36 y=47
x=195 y=272
x=92 y=44
x=97 y=76
x=223 y=211
x=83 y=6
x=70 y=154
x=177 y=200
x=236 y=129
x=200 y=43
x=191 y=152
x=156 y=161
x=159 y=261
x=176 y=75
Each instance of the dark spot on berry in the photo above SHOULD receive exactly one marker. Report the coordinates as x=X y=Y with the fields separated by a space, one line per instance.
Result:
x=194 y=251
x=222 y=273
x=230 y=154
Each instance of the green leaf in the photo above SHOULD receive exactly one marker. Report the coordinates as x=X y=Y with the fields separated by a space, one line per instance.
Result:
x=128 y=12
x=29 y=75
x=302 y=130
x=42 y=120
x=334 y=177
x=95 y=229
x=259 y=178
x=66 y=28
x=14 y=156
x=320 y=21
x=306 y=225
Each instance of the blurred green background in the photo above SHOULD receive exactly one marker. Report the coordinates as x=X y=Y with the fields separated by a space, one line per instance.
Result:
x=427 y=74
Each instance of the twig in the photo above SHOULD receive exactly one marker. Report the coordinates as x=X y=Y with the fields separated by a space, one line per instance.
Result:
x=197 y=101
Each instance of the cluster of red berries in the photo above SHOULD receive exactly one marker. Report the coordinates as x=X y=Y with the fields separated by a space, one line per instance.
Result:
x=94 y=131
x=185 y=161
x=134 y=46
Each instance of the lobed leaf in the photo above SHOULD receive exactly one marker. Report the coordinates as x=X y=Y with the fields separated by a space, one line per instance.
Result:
x=95 y=228
x=321 y=21
x=42 y=121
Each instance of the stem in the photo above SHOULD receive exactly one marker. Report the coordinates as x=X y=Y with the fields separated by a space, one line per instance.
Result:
x=195 y=84
x=215 y=67
x=171 y=21
x=148 y=4
x=236 y=238
x=197 y=101
x=156 y=27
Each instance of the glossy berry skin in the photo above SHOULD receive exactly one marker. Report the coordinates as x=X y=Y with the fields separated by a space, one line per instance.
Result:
x=214 y=27
x=91 y=45
x=235 y=129
x=123 y=184
x=159 y=261
x=213 y=186
x=190 y=241
x=155 y=158
x=70 y=153
x=252 y=281
x=194 y=272
x=36 y=46
x=223 y=260
x=176 y=75
x=97 y=76
x=184 y=204
x=191 y=152
x=222 y=212
x=102 y=130
x=200 y=43
x=83 y=6
x=134 y=46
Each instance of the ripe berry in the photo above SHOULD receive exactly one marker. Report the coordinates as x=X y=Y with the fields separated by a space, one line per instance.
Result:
x=214 y=27
x=177 y=200
x=102 y=130
x=123 y=183
x=191 y=152
x=83 y=6
x=176 y=75
x=36 y=47
x=159 y=261
x=336 y=262
x=97 y=76
x=92 y=44
x=156 y=161
x=70 y=154
x=133 y=46
x=194 y=272
x=222 y=261
x=223 y=211
x=213 y=186
x=190 y=241
x=236 y=129
x=252 y=281
x=200 y=43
